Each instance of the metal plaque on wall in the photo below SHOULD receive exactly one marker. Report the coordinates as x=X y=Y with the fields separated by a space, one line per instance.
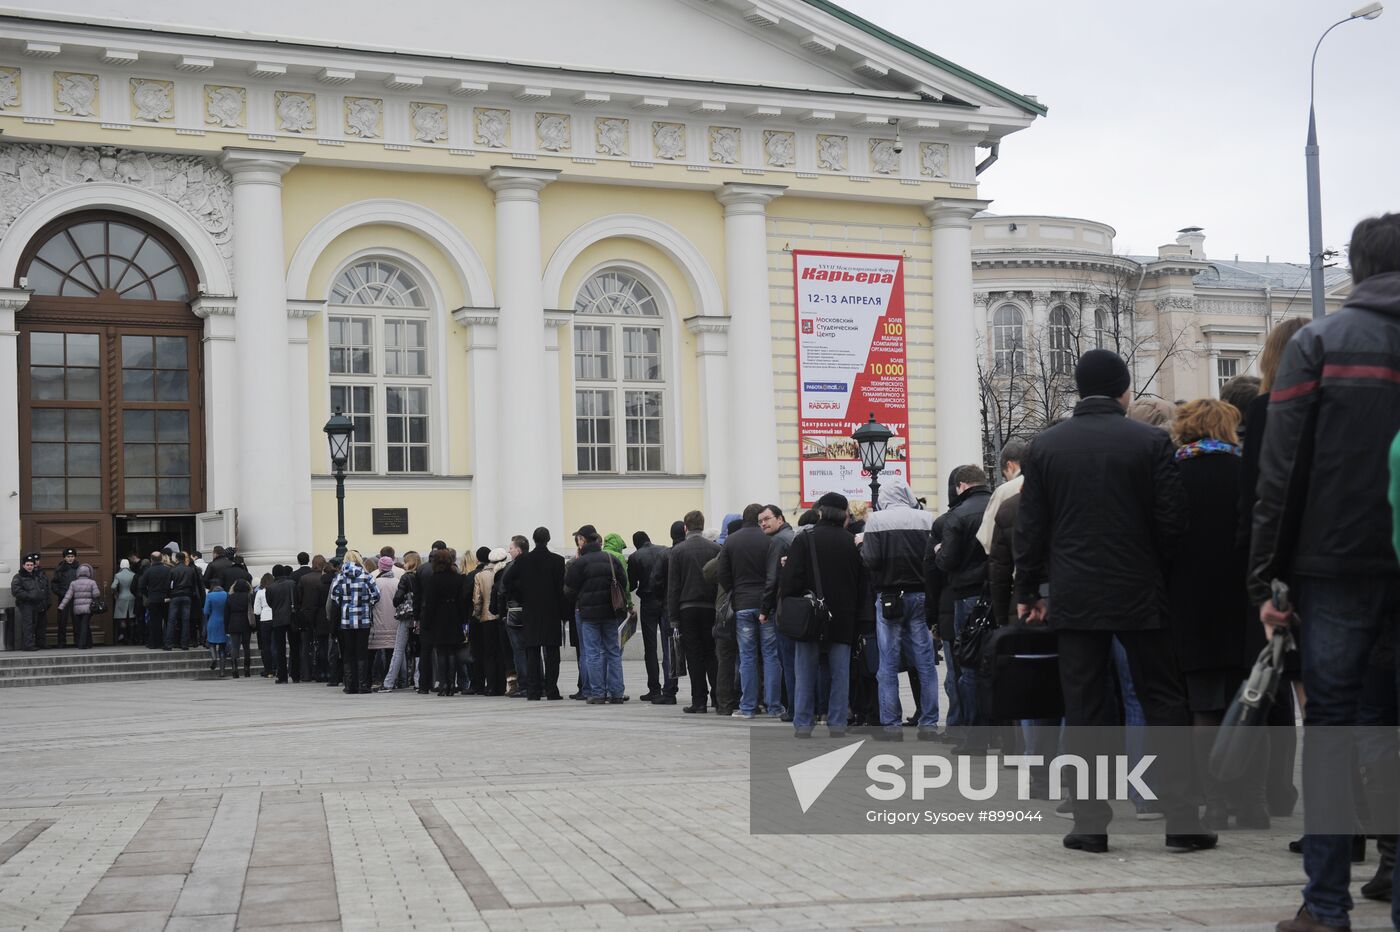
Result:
x=389 y=520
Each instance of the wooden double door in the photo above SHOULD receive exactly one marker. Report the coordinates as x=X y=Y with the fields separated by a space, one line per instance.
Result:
x=111 y=395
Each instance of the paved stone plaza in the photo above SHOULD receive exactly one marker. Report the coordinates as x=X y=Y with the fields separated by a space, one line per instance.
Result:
x=215 y=805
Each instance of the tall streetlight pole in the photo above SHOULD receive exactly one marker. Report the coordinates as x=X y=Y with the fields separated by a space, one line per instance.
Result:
x=1315 y=270
x=338 y=430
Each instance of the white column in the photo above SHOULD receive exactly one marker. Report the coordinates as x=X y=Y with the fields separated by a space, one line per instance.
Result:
x=556 y=415
x=712 y=351
x=482 y=393
x=222 y=388
x=299 y=452
x=12 y=300
x=957 y=432
x=524 y=503
x=752 y=456
x=266 y=501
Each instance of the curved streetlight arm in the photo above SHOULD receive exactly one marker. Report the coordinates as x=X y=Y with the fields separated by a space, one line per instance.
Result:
x=1312 y=80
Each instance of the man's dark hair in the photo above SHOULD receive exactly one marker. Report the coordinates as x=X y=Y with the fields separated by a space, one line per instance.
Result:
x=640 y=539
x=751 y=513
x=808 y=517
x=439 y=545
x=387 y=551
x=830 y=514
x=694 y=521
x=1240 y=391
x=196 y=554
x=442 y=560
x=1014 y=451
x=483 y=554
x=734 y=525
x=969 y=474
x=1375 y=247
x=520 y=542
x=303 y=558
x=218 y=551
x=541 y=536
x=777 y=512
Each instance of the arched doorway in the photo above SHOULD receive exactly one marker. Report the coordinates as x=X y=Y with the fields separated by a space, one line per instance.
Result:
x=111 y=394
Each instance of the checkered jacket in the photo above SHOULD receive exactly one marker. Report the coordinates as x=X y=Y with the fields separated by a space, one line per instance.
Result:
x=356 y=594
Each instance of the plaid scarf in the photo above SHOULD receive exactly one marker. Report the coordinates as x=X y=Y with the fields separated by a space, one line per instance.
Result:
x=1203 y=447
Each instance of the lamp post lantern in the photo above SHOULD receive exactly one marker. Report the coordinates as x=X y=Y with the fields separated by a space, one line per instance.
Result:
x=338 y=430
x=1310 y=151
x=873 y=438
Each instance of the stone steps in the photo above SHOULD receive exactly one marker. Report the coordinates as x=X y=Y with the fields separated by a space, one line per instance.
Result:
x=104 y=665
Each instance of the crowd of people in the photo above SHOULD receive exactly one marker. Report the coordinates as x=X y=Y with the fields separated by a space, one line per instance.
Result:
x=1145 y=534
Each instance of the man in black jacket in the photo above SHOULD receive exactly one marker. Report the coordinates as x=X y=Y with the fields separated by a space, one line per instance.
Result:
x=641 y=572
x=63 y=576
x=1101 y=508
x=780 y=534
x=690 y=602
x=1322 y=522
x=31 y=593
x=963 y=563
x=536 y=584
x=743 y=570
x=589 y=581
x=280 y=598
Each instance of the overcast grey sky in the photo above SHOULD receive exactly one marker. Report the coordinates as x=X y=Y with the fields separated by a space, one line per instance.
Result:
x=1193 y=112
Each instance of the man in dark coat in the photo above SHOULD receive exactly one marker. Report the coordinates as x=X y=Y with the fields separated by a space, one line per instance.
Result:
x=962 y=561
x=63 y=576
x=690 y=602
x=536 y=583
x=30 y=589
x=743 y=568
x=155 y=589
x=1102 y=508
x=589 y=582
x=214 y=572
x=641 y=573
x=780 y=533
x=281 y=597
x=659 y=576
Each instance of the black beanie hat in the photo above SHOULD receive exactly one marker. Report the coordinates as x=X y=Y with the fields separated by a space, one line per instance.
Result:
x=833 y=500
x=1101 y=372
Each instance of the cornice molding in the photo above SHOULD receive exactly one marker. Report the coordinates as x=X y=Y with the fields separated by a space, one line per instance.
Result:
x=14 y=299
x=208 y=305
x=304 y=310
x=477 y=316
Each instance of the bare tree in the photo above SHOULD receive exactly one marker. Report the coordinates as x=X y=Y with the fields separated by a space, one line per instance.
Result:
x=1008 y=400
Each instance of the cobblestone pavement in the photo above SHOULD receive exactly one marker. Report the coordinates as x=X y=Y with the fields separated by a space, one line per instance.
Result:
x=222 y=805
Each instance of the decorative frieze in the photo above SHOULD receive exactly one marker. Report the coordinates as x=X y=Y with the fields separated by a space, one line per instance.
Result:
x=9 y=88
x=779 y=148
x=724 y=144
x=75 y=94
x=492 y=127
x=1207 y=306
x=429 y=122
x=553 y=132
x=884 y=157
x=225 y=106
x=610 y=136
x=933 y=159
x=364 y=117
x=668 y=141
x=296 y=111
x=832 y=152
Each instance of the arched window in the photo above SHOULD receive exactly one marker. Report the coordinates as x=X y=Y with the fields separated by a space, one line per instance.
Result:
x=1103 y=335
x=377 y=324
x=102 y=257
x=1061 y=341
x=1009 y=340
x=619 y=376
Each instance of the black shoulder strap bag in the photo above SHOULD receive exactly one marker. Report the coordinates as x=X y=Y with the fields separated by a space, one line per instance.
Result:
x=805 y=617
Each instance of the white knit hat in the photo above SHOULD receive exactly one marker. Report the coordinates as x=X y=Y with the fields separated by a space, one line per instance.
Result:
x=498 y=555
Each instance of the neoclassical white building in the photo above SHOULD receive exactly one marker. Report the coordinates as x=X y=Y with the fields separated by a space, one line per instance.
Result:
x=546 y=271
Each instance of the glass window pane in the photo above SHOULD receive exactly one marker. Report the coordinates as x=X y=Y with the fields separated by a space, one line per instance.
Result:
x=82 y=425
x=46 y=349
x=174 y=459
x=418 y=430
x=361 y=459
x=417 y=363
x=48 y=494
x=84 y=494
x=139 y=459
x=396 y=459
x=138 y=385
x=393 y=401
x=396 y=430
x=58 y=252
x=46 y=383
x=418 y=459
x=139 y=426
x=46 y=459
x=123 y=240
x=170 y=286
x=140 y=493
x=340 y=360
x=174 y=493
x=82 y=278
x=171 y=353
x=89 y=237
x=83 y=385
x=46 y=424
x=172 y=385
x=44 y=280
x=418 y=333
x=173 y=426
x=391 y=363
x=360 y=362
x=84 y=459
x=138 y=352
x=363 y=399
x=154 y=257
x=363 y=431
x=141 y=292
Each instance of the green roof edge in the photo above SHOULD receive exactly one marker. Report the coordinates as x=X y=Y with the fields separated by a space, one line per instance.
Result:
x=904 y=45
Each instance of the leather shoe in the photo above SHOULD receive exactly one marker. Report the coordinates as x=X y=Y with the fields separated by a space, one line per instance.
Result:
x=664 y=700
x=1090 y=844
x=693 y=709
x=1305 y=921
x=1198 y=842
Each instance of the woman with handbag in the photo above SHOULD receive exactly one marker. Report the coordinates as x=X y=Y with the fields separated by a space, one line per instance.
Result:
x=825 y=597
x=85 y=595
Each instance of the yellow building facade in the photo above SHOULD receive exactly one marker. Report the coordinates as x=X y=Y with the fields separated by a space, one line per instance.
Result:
x=546 y=294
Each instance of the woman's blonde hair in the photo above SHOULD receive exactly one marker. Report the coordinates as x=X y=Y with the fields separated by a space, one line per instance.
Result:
x=411 y=561
x=1206 y=419
x=353 y=556
x=1272 y=352
x=858 y=510
x=1155 y=411
x=469 y=562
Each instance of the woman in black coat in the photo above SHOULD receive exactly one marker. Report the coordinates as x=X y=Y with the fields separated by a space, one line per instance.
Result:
x=238 y=625
x=840 y=574
x=441 y=617
x=1206 y=596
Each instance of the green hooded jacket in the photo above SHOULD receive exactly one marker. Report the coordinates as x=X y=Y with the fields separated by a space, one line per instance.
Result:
x=615 y=545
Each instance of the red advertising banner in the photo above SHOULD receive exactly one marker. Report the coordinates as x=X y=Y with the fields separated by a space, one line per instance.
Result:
x=850 y=365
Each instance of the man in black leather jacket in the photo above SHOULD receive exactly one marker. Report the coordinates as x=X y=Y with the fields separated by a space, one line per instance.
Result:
x=963 y=563
x=641 y=573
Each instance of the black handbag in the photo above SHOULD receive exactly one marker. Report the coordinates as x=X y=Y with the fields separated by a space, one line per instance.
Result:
x=1021 y=664
x=1238 y=741
x=515 y=615
x=805 y=617
x=678 y=669
x=972 y=639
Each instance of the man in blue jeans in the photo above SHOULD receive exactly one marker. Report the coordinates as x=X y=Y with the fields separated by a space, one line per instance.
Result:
x=893 y=550
x=961 y=559
x=743 y=571
x=1323 y=523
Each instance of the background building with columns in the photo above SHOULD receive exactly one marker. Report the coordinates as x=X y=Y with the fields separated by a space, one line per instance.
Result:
x=547 y=294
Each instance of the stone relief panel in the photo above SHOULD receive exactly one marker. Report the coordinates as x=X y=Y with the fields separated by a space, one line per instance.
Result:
x=832 y=152
x=779 y=147
x=429 y=122
x=611 y=135
x=884 y=160
x=724 y=144
x=225 y=107
x=9 y=88
x=492 y=127
x=668 y=140
x=75 y=94
x=554 y=132
x=195 y=185
x=933 y=159
x=152 y=101
x=296 y=111
x=1210 y=306
x=364 y=117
